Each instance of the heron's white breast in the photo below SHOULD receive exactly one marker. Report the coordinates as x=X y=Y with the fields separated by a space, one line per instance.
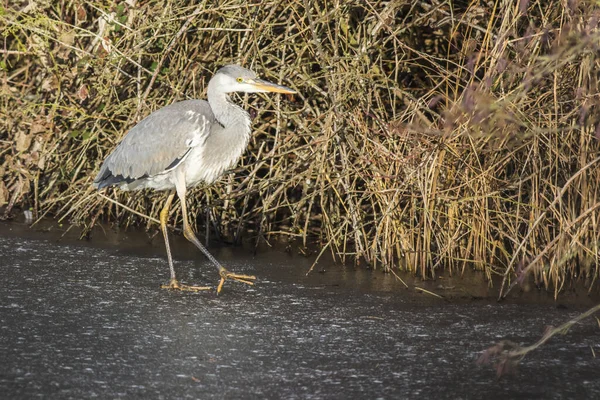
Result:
x=206 y=163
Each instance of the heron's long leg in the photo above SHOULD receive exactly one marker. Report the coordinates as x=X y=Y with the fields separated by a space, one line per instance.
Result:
x=164 y=216
x=189 y=235
x=173 y=283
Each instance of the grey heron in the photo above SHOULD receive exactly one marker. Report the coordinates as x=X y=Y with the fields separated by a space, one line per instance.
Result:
x=184 y=144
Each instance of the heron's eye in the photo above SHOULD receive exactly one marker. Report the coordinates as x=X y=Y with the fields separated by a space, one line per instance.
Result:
x=240 y=80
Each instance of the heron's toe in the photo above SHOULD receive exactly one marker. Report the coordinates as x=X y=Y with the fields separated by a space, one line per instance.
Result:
x=247 y=279
x=175 y=285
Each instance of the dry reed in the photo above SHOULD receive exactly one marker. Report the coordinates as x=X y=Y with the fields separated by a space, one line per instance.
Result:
x=424 y=137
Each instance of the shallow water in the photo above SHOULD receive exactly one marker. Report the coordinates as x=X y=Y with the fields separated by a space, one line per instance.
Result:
x=84 y=322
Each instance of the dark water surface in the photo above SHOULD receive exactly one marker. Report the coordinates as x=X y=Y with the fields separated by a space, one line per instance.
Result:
x=83 y=322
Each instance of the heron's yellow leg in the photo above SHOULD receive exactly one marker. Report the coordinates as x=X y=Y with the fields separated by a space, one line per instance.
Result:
x=189 y=235
x=173 y=283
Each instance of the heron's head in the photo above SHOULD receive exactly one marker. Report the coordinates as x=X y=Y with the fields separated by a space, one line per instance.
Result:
x=233 y=78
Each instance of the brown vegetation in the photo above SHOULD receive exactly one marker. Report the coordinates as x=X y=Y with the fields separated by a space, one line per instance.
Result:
x=423 y=137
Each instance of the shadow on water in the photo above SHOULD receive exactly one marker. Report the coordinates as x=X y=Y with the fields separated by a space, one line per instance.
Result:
x=80 y=321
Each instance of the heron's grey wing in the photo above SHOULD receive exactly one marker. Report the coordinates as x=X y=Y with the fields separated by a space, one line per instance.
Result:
x=158 y=143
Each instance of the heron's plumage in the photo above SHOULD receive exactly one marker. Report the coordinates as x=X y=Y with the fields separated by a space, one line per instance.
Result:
x=158 y=144
x=222 y=149
x=204 y=138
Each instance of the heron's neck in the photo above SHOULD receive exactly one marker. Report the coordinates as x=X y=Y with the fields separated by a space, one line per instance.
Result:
x=232 y=117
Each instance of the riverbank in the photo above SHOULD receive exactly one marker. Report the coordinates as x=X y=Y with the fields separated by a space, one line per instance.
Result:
x=299 y=268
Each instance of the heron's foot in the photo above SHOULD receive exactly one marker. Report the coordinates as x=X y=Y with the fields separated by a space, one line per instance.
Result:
x=247 y=279
x=175 y=285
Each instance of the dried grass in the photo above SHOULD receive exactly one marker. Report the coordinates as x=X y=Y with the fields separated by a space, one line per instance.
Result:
x=423 y=137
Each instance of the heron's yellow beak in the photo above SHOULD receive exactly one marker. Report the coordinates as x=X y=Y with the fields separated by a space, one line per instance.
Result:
x=266 y=86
